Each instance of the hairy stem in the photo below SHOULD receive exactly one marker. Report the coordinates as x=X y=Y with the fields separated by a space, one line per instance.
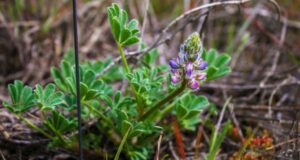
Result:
x=123 y=58
x=32 y=125
x=60 y=137
x=165 y=100
x=138 y=99
x=101 y=115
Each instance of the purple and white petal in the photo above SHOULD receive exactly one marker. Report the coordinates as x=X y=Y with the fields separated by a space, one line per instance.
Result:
x=189 y=69
x=203 y=65
x=199 y=59
x=175 y=79
x=173 y=64
x=200 y=76
x=194 y=84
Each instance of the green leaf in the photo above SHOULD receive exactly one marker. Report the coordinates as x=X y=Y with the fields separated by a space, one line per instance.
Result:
x=22 y=97
x=116 y=9
x=55 y=73
x=221 y=72
x=48 y=98
x=91 y=94
x=134 y=32
x=83 y=90
x=117 y=97
x=222 y=60
x=132 y=24
x=204 y=54
x=89 y=77
x=71 y=85
x=125 y=125
x=61 y=85
x=123 y=18
x=125 y=34
x=210 y=72
x=181 y=111
x=59 y=122
x=120 y=148
x=108 y=100
x=131 y=41
x=210 y=56
x=199 y=102
x=116 y=28
x=216 y=141
x=192 y=113
x=110 y=12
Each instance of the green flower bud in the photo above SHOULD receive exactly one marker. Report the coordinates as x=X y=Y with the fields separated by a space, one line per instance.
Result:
x=193 y=46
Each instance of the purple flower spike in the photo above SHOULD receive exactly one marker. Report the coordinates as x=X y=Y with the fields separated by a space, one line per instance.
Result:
x=175 y=79
x=203 y=65
x=174 y=64
x=194 y=84
x=189 y=69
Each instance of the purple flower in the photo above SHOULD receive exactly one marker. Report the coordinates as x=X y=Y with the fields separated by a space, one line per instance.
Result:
x=189 y=69
x=174 y=64
x=175 y=79
x=189 y=65
x=193 y=84
x=202 y=65
x=200 y=76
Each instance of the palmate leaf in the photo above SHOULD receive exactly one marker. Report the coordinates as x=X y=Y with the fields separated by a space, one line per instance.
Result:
x=217 y=64
x=22 y=97
x=189 y=108
x=130 y=41
x=59 y=122
x=124 y=33
x=48 y=98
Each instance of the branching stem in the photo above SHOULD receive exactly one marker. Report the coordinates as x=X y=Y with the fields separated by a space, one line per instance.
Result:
x=165 y=100
x=138 y=99
x=32 y=125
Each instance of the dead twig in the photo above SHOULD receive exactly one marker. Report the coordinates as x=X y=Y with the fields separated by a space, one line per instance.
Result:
x=158 y=146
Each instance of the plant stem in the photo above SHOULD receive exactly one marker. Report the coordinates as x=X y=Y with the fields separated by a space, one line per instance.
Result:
x=123 y=58
x=165 y=100
x=34 y=126
x=138 y=99
x=111 y=134
x=122 y=144
x=170 y=106
x=101 y=115
x=61 y=138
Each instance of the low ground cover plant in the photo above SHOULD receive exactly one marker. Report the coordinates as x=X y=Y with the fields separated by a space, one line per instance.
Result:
x=125 y=121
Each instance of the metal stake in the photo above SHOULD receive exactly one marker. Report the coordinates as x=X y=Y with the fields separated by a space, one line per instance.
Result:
x=77 y=77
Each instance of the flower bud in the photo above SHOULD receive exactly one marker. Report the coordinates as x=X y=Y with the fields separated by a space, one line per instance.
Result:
x=189 y=69
x=200 y=76
x=194 y=84
x=193 y=46
x=203 y=65
x=175 y=79
x=173 y=64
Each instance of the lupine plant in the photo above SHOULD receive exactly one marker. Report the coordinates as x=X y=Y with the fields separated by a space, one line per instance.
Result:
x=131 y=118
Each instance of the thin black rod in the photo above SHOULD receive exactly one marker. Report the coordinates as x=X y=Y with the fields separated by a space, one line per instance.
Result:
x=77 y=77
